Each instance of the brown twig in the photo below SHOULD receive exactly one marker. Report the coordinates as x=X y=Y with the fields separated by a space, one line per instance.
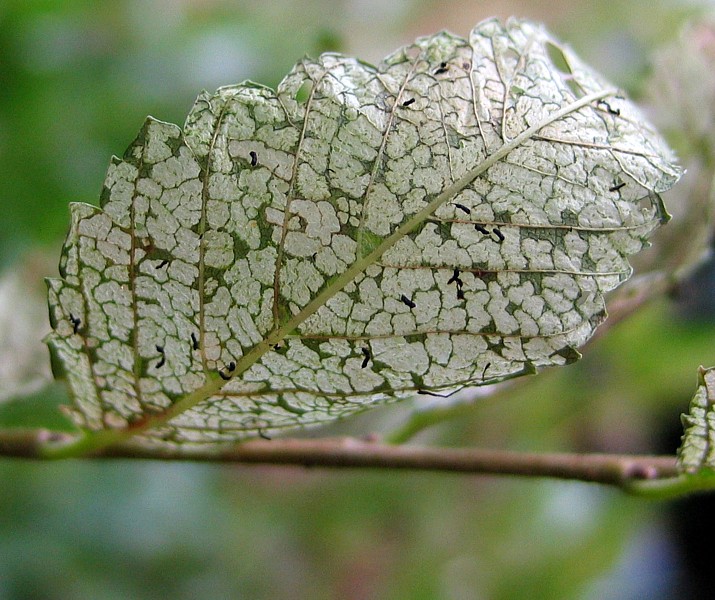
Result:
x=613 y=469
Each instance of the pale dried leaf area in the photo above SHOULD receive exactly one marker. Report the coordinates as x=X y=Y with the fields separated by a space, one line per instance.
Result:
x=697 y=450
x=451 y=217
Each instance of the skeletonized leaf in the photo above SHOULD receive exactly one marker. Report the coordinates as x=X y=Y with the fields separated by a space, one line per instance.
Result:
x=449 y=218
x=697 y=449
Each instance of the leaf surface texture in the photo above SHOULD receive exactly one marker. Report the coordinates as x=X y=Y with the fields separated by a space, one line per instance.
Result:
x=697 y=450
x=451 y=217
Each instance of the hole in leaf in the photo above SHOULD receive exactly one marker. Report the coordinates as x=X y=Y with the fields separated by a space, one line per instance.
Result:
x=561 y=63
x=557 y=58
x=304 y=91
x=646 y=204
x=574 y=87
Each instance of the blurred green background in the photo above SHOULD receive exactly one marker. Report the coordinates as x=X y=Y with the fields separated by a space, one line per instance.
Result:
x=77 y=79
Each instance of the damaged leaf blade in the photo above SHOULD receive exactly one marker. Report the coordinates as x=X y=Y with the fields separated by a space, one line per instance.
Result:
x=697 y=448
x=451 y=217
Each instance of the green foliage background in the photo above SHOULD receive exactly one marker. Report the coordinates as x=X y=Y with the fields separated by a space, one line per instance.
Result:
x=76 y=80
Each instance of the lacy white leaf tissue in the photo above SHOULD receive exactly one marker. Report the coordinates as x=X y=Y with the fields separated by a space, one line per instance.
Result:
x=451 y=217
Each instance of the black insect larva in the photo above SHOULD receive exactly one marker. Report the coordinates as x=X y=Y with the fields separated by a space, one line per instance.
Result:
x=463 y=208
x=194 y=341
x=481 y=229
x=428 y=393
x=443 y=67
x=407 y=301
x=254 y=158
x=454 y=278
x=408 y=102
x=76 y=323
x=499 y=234
x=615 y=188
x=162 y=360
x=366 y=354
x=611 y=110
